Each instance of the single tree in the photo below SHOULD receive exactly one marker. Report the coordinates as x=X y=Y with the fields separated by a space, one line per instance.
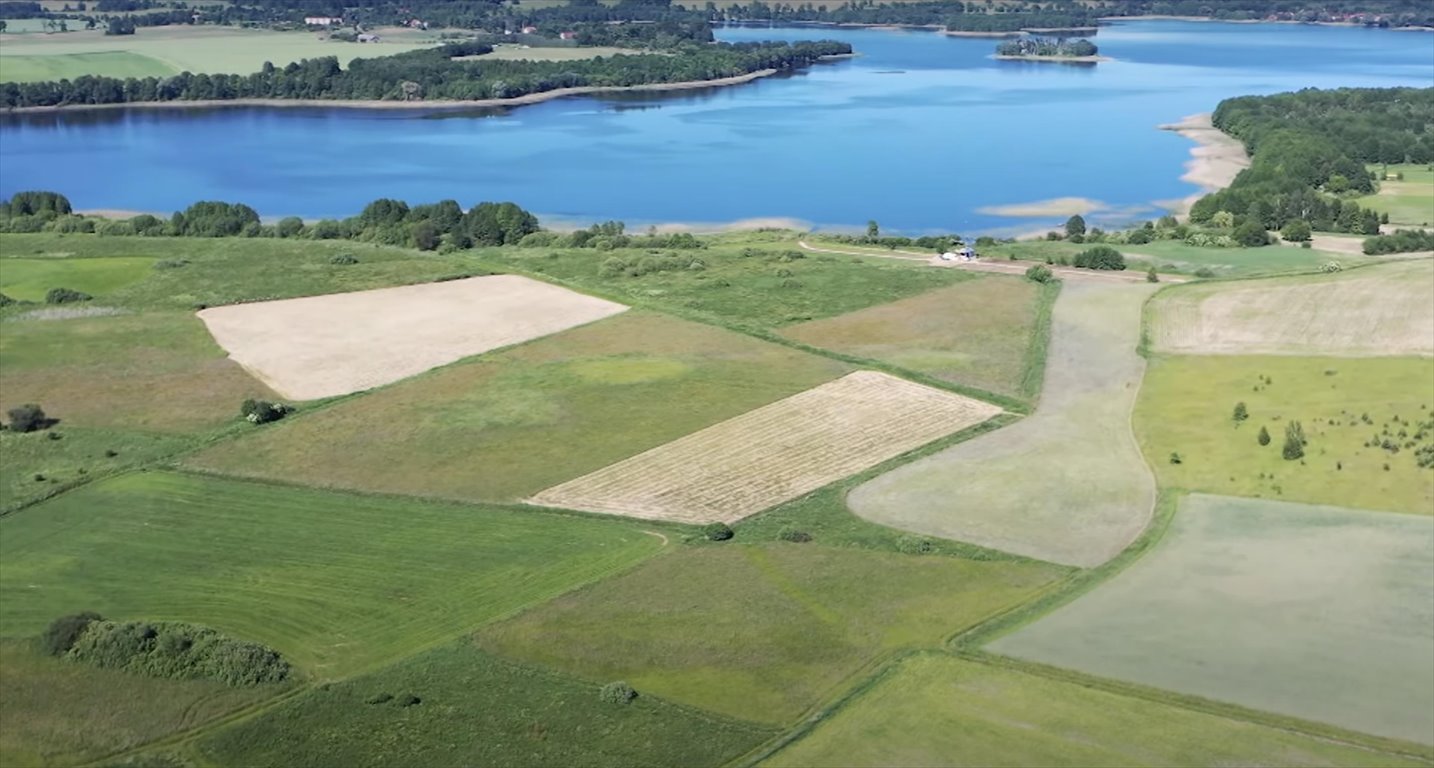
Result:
x=873 y=230
x=1294 y=442
x=1296 y=231
x=1075 y=225
x=28 y=418
x=1150 y=276
x=1241 y=412
x=1264 y=436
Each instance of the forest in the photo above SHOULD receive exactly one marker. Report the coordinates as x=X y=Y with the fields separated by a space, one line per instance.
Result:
x=1036 y=46
x=1310 y=148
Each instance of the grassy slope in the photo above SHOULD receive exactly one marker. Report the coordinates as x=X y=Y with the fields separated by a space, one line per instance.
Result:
x=1410 y=201
x=1322 y=613
x=62 y=713
x=1186 y=403
x=509 y=424
x=336 y=583
x=761 y=631
x=476 y=710
x=940 y=710
x=36 y=466
x=29 y=279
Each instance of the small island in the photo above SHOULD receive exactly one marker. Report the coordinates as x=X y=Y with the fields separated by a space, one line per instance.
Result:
x=1042 y=49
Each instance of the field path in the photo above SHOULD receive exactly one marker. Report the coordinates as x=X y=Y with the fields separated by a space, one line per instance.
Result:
x=999 y=267
x=1068 y=484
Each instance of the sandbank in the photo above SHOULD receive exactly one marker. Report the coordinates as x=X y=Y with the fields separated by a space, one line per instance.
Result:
x=1215 y=160
x=1054 y=59
x=1060 y=206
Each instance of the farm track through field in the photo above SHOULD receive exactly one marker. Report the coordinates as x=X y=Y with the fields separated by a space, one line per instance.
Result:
x=997 y=267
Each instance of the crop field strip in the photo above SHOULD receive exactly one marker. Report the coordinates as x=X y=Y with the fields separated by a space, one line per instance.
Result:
x=780 y=451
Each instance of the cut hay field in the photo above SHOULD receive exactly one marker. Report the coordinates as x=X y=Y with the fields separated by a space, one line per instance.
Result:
x=1321 y=613
x=29 y=279
x=1410 y=201
x=1387 y=309
x=777 y=452
x=508 y=424
x=476 y=709
x=940 y=710
x=1187 y=403
x=1066 y=484
x=323 y=346
x=64 y=713
x=337 y=583
x=977 y=333
x=761 y=632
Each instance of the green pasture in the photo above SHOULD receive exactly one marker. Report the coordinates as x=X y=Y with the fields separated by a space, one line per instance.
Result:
x=507 y=424
x=1163 y=254
x=764 y=631
x=1186 y=406
x=1321 y=613
x=68 y=66
x=940 y=710
x=58 y=712
x=29 y=279
x=35 y=465
x=1410 y=201
x=476 y=709
x=336 y=583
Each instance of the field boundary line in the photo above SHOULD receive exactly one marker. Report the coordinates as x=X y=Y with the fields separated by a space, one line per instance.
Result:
x=1038 y=347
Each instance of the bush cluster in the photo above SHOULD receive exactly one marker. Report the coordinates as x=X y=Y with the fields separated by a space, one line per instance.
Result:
x=1099 y=257
x=616 y=266
x=1040 y=273
x=165 y=649
x=617 y=692
x=65 y=296
x=263 y=411
x=63 y=632
x=717 y=531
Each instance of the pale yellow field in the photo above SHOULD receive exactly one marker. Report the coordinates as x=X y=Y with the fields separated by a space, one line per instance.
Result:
x=744 y=465
x=1381 y=310
x=322 y=346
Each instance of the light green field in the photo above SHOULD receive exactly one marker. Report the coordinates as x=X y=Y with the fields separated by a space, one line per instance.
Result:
x=940 y=710
x=169 y=50
x=29 y=279
x=1186 y=407
x=1224 y=262
x=1321 y=613
x=1066 y=484
x=515 y=53
x=336 y=583
x=761 y=632
x=508 y=424
x=1410 y=201
x=65 y=713
x=36 y=466
x=976 y=333
x=476 y=710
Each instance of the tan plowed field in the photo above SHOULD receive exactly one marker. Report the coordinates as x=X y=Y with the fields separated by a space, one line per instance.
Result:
x=746 y=464
x=322 y=346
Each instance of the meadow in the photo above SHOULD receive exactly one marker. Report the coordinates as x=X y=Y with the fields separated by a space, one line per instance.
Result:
x=30 y=279
x=1067 y=484
x=476 y=709
x=337 y=583
x=1187 y=404
x=934 y=709
x=1165 y=254
x=1321 y=613
x=1410 y=201
x=516 y=53
x=508 y=424
x=764 y=631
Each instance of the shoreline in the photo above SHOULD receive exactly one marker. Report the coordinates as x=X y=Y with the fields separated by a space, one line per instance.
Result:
x=1347 y=24
x=1215 y=160
x=1054 y=59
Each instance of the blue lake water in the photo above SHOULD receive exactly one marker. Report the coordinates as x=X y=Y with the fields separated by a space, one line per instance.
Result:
x=920 y=132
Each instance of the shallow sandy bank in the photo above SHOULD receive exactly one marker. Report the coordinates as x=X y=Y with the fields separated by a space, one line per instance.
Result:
x=1054 y=59
x=1059 y=206
x=1215 y=160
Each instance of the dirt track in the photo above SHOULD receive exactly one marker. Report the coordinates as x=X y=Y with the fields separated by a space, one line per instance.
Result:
x=999 y=267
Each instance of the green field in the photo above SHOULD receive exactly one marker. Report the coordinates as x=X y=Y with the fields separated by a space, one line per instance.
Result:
x=45 y=67
x=476 y=710
x=29 y=279
x=977 y=333
x=514 y=422
x=36 y=466
x=1186 y=407
x=515 y=53
x=1162 y=254
x=940 y=710
x=63 y=713
x=1410 y=201
x=761 y=632
x=1321 y=613
x=336 y=583
x=1066 y=484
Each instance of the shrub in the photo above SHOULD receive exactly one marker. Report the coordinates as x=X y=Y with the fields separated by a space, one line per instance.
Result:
x=177 y=651
x=344 y=258
x=1296 y=231
x=717 y=531
x=65 y=296
x=62 y=633
x=1205 y=272
x=617 y=693
x=915 y=545
x=1264 y=436
x=1150 y=276
x=1251 y=234
x=28 y=418
x=6 y=301
x=1294 y=447
x=1040 y=273
x=1332 y=267
x=379 y=698
x=1101 y=257
x=409 y=700
x=263 y=411
x=1241 y=412
x=170 y=263
x=794 y=535
x=1175 y=459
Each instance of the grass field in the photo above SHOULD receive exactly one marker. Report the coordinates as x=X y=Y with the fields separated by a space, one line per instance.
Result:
x=940 y=710
x=336 y=583
x=1386 y=309
x=515 y=53
x=514 y=422
x=1066 y=484
x=1225 y=262
x=976 y=333
x=1186 y=407
x=36 y=466
x=1410 y=201
x=760 y=632
x=162 y=51
x=476 y=710
x=29 y=279
x=1321 y=613
x=775 y=453
x=64 y=713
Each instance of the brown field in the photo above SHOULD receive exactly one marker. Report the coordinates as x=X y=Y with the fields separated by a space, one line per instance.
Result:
x=322 y=346
x=973 y=333
x=1381 y=310
x=761 y=458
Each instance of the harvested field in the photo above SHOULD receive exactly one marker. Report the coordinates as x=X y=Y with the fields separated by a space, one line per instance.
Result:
x=1386 y=309
x=754 y=461
x=1320 y=613
x=322 y=346
x=1066 y=484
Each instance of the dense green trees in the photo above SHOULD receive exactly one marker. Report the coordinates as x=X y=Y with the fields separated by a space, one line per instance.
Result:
x=1099 y=257
x=35 y=204
x=1037 y=46
x=1402 y=241
x=177 y=651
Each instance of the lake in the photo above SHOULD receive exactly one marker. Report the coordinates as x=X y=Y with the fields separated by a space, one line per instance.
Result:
x=921 y=132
